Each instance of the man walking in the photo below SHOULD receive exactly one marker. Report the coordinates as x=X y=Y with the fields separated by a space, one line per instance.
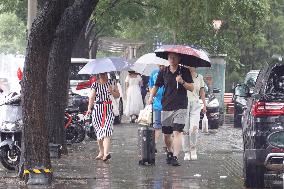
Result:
x=176 y=80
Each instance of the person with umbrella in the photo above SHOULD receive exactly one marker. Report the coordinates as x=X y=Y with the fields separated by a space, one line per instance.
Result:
x=189 y=141
x=100 y=104
x=176 y=80
x=134 y=102
x=101 y=107
x=157 y=102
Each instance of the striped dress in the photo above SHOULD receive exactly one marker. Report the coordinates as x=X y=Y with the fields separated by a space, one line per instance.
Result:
x=103 y=116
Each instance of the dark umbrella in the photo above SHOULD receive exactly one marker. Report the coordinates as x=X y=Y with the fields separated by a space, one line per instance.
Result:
x=189 y=55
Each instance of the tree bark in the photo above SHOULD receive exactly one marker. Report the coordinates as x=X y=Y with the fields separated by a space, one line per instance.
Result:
x=81 y=49
x=93 y=48
x=35 y=150
x=67 y=33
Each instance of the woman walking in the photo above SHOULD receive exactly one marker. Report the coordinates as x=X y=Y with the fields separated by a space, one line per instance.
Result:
x=103 y=117
x=134 y=101
x=189 y=141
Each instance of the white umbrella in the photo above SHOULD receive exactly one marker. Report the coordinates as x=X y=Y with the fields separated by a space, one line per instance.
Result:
x=102 y=65
x=147 y=63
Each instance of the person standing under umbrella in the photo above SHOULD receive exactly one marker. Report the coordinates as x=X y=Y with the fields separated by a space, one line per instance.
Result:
x=193 y=115
x=176 y=80
x=144 y=87
x=134 y=101
x=157 y=102
x=103 y=117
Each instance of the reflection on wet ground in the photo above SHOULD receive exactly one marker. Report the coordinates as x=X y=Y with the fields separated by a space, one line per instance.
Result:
x=219 y=165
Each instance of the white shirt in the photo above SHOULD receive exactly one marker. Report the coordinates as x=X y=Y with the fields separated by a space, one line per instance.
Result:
x=198 y=84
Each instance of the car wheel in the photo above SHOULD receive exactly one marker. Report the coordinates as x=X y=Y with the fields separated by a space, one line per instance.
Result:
x=253 y=174
x=10 y=158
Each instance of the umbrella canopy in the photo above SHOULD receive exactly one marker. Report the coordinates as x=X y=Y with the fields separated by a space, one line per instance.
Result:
x=102 y=65
x=147 y=63
x=189 y=55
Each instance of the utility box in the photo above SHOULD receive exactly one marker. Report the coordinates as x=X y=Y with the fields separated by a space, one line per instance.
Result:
x=214 y=76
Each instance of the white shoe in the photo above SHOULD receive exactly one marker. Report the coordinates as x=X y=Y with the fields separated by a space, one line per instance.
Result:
x=193 y=155
x=186 y=156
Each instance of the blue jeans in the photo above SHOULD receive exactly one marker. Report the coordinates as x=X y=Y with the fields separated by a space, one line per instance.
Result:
x=157 y=119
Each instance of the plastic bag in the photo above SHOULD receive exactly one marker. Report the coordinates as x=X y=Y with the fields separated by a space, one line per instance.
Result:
x=115 y=105
x=205 y=124
x=145 y=116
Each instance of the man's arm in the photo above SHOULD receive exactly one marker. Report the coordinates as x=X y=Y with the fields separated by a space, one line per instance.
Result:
x=187 y=80
x=187 y=86
x=202 y=95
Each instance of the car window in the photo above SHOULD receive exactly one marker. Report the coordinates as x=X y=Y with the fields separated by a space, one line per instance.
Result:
x=250 y=79
x=275 y=83
x=241 y=91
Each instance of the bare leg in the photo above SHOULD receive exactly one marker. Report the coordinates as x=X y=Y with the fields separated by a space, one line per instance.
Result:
x=101 y=149
x=157 y=135
x=106 y=143
x=168 y=142
x=177 y=142
x=193 y=137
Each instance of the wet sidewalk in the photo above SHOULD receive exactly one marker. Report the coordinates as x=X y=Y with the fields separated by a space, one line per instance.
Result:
x=218 y=165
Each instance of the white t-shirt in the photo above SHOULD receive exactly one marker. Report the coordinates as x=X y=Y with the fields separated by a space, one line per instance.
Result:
x=198 y=84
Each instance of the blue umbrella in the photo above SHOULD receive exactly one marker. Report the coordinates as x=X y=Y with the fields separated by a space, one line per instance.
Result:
x=102 y=65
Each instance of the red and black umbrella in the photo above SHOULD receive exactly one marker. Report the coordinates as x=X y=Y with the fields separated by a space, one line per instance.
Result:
x=189 y=56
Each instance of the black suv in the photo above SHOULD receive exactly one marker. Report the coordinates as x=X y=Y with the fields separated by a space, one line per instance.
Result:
x=263 y=129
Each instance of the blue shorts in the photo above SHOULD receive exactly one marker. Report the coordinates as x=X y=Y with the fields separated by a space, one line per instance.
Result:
x=157 y=119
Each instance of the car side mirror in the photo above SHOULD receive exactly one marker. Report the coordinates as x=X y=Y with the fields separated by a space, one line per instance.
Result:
x=216 y=90
x=242 y=90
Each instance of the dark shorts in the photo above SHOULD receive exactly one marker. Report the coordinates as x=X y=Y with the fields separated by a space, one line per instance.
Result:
x=171 y=129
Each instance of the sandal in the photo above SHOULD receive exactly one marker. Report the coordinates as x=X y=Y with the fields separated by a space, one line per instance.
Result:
x=99 y=157
x=107 y=158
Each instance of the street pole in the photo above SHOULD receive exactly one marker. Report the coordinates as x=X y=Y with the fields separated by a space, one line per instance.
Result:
x=32 y=10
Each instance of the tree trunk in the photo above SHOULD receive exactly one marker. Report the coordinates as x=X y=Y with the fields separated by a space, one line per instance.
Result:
x=35 y=150
x=80 y=49
x=93 y=48
x=67 y=33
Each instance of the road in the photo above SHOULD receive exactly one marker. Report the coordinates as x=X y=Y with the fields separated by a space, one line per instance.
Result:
x=219 y=164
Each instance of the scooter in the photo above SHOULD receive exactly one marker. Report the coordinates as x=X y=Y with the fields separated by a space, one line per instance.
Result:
x=213 y=110
x=89 y=128
x=75 y=131
x=10 y=131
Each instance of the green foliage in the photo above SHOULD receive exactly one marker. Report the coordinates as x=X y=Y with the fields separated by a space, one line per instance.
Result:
x=19 y=7
x=252 y=31
x=12 y=34
x=232 y=80
x=109 y=15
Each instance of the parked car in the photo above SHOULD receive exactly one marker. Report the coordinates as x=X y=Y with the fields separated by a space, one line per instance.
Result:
x=263 y=129
x=239 y=99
